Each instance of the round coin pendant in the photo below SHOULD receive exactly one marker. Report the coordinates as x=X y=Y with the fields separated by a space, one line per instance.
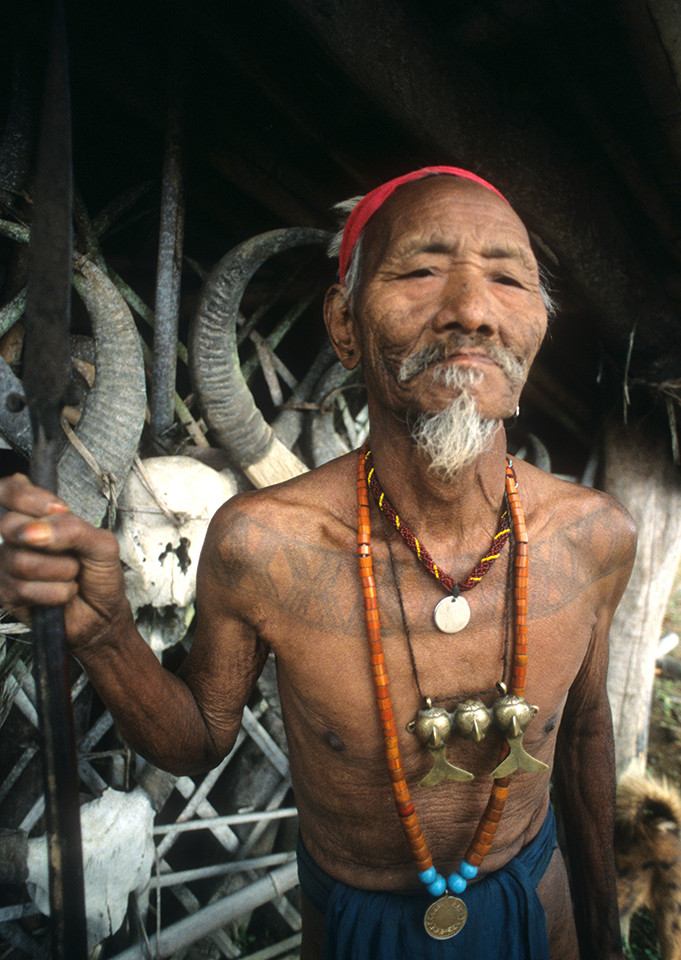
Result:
x=452 y=614
x=445 y=917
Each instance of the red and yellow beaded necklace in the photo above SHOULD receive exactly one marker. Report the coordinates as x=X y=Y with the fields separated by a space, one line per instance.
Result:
x=446 y=915
x=452 y=613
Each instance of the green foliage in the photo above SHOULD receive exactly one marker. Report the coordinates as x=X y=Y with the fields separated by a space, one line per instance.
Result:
x=643 y=943
x=666 y=694
x=243 y=940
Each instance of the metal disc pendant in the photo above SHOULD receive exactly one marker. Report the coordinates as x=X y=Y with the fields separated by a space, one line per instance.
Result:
x=452 y=614
x=445 y=917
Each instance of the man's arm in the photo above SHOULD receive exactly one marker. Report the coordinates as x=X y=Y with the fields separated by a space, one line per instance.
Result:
x=183 y=723
x=584 y=777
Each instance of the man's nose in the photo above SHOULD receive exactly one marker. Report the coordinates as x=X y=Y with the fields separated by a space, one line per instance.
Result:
x=466 y=306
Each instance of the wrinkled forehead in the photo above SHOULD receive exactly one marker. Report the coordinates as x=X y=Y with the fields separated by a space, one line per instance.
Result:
x=442 y=211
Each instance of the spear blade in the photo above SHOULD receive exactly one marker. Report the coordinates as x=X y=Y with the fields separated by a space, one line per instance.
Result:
x=48 y=298
x=46 y=377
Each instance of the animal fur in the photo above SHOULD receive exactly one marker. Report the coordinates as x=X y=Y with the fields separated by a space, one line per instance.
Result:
x=648 y=857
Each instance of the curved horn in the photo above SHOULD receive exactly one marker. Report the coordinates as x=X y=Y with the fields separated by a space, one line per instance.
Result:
x=111 y=423
x=223 y=395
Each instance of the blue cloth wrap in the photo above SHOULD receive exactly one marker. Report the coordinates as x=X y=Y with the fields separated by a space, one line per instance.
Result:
x=506 y=920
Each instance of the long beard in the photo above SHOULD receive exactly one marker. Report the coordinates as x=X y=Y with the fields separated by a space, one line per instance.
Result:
x=455 y=437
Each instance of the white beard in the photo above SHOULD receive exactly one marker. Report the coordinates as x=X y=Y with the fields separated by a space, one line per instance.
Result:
x=455 y=437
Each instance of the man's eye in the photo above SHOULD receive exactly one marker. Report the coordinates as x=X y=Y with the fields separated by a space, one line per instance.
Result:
x=508 y=281
x=420 y=272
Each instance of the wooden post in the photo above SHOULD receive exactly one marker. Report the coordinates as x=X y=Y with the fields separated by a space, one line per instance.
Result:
x=639 y=472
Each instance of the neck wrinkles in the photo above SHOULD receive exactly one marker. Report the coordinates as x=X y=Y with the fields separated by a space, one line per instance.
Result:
x=443 y=513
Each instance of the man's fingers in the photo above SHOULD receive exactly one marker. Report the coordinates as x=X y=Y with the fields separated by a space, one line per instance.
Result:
x=17 y=493
x=49 y=556
x=22 y=593
x=59 y=533
x=31 y=565
x=28 y=577
x=38 y=594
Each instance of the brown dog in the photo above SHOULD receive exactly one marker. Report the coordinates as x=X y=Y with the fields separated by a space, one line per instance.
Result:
x=648 y=857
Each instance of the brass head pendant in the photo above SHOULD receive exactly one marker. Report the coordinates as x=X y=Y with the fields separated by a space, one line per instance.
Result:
x=511 y=715
x=433 y=727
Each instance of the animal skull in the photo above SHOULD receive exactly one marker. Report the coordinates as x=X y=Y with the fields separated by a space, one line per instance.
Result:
x=116 y=829
x=160 y=536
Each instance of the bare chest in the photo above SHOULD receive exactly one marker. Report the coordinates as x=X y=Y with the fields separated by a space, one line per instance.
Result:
x=320 y=641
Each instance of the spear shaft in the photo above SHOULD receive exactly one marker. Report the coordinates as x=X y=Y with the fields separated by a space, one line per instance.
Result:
x=46 y=377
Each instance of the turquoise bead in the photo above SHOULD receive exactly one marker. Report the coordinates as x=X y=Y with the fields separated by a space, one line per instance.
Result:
x=438 y=886
x=467 y=870
x=456 y=883
x=427 y=876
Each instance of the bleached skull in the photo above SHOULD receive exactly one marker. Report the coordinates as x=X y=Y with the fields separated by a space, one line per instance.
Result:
x=163 y=514
x=116 y=829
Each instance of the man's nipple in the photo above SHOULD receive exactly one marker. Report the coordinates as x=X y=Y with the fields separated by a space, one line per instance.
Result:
x=334 y=741
x=551 y=724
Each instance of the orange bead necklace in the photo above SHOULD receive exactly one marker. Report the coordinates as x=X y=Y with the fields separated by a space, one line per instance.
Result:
x=447 y=915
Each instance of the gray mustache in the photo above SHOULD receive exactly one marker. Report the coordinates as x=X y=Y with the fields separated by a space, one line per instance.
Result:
x=513 y=366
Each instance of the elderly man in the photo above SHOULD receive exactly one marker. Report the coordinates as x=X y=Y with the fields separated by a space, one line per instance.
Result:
x=439 y=615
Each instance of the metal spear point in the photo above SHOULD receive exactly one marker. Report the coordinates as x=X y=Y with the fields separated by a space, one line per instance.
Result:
x=45 y=377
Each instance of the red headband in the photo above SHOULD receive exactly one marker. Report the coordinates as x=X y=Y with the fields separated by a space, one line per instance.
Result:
x=369 y=204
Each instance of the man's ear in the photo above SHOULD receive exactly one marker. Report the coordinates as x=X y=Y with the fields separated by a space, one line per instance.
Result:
x=340 y=324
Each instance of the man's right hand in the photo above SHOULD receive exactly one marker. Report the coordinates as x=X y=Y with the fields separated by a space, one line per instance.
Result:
x=50 y=556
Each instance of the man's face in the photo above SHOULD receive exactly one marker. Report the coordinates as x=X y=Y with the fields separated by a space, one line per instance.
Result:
x=448 y=280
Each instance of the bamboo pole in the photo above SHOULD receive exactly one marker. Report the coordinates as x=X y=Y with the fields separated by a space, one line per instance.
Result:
x=220 y=869
x=203 y=922
x=207 y=823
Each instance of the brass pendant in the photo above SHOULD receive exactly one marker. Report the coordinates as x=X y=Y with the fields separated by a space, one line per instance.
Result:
x=452 y=614
x=513 y=715
x=445 y=918
x=472 y=719
x=433 y=727
x=442 y=769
